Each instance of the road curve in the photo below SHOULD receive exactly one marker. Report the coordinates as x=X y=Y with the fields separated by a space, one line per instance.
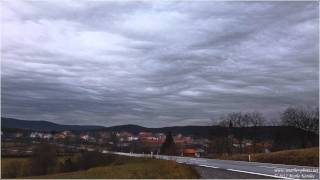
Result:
x=256 y=168
x=210 y=173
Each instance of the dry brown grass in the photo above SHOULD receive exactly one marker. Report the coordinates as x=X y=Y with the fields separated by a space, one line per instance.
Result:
x=12 y=167
x=302 y=157
x=138 y=168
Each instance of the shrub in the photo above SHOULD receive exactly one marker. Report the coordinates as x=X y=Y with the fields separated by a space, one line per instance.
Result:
x=92 y=159
x=86 y=160
x=44 y=160
x=68 y=166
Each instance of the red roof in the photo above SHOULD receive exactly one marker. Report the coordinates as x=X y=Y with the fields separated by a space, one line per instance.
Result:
x=144 y=134
x=189 y=151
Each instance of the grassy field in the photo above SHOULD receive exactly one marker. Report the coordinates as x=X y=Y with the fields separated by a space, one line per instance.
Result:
x=302 y=157
x=14 y=165
x=6 y=160
x=123 y=167
x=19 y=165
x=138 y=168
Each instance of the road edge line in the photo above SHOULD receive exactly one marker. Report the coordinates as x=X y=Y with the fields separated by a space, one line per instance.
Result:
x=209 y=166
x=248 y=172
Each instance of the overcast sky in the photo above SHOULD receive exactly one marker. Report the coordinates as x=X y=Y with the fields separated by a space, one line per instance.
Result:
x=156 y=63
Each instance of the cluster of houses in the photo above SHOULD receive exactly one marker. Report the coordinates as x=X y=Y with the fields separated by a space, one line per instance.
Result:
x=121 y=140
x=41 y=135
x=248 y=146
x=186 y=145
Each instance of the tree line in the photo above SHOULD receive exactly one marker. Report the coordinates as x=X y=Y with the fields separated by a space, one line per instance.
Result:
x=244 y=125
x=300 y=117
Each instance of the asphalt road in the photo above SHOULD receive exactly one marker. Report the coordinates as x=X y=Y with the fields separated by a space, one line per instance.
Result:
x=215 y=173
x=267 y=170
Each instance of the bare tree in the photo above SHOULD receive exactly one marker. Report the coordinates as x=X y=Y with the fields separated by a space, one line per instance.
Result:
x=224 y=122
x=255 y=119
x=302 y=117
x=275 y=122
x=242 y=120
x=236 y=120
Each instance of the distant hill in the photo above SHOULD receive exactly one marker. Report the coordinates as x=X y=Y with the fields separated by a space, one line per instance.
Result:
x=286 y=135
x=42 y=125
x=186 y=130
x=11 y=123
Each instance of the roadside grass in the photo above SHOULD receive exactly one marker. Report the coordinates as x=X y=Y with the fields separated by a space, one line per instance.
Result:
x=14 y=166
x=131 y=168
x=18 y=166
x=301 y=157
x=6 y=160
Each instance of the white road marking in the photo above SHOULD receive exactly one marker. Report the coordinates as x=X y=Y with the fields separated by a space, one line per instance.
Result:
x=268 y=167
x=259 y=174
x=208 y=166
x=197 y=161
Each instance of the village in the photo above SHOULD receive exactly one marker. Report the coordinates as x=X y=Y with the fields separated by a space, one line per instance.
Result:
x=142 y=142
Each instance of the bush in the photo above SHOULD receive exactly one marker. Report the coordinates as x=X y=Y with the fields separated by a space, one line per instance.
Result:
x=44 y=160
x=93 y=159
x=68 y=166
x=86 y=160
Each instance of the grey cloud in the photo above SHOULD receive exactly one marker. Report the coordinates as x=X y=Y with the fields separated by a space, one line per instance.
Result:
x=156 y=63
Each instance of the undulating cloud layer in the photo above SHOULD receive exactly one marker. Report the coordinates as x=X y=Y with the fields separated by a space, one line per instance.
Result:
x=159 y=63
